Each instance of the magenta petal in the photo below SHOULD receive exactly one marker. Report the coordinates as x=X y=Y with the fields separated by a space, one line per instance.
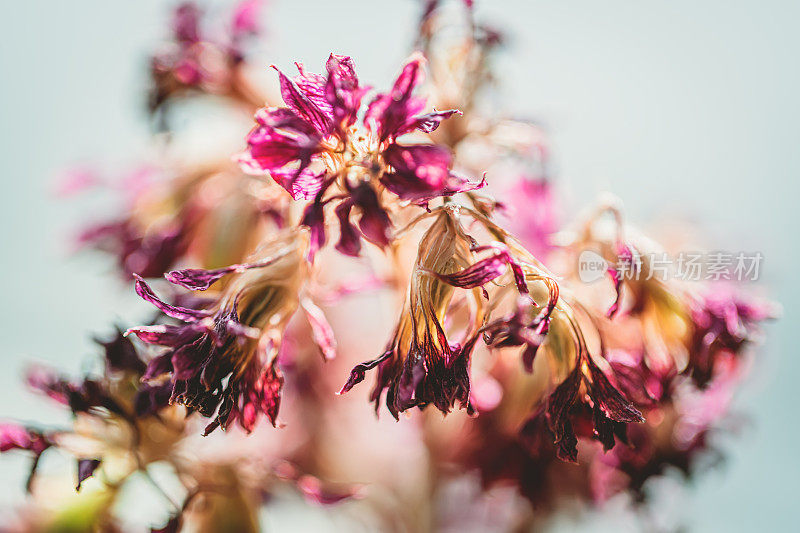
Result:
x=374 y=223
x=342 y=92
x=197 y=279
x=430 y=121
x=280 y=137
x=314 y=220
x=299 y=102
x=269 y=388
x=485 y=271
x=313 y=87
x=420 y=171
x=320 y=329
x=349 y=238
x=167 y=334
x=302 y=183
x=390 y=114
x=181 y=313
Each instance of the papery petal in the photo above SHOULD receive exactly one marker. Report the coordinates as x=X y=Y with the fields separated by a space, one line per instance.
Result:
x=280 y=137
x=314 y=220
x=429 y=122
x=314 y=87
x=485 y=271
x=302 y=184
x=198 y=279
x=559 y=404
x=168 y=334
x=181 y=313
x=609 y=399
x=342 y=92
x=17 y=437
x=320 y=329
x=299 y=102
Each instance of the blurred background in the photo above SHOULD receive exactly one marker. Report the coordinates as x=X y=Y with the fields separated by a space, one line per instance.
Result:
x=685 y=110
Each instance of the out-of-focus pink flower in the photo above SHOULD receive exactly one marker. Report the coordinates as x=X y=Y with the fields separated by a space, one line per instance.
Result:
x=534 y=216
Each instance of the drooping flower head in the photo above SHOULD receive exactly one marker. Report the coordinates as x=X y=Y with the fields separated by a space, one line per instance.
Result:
x=222 y=358
x=421 y=366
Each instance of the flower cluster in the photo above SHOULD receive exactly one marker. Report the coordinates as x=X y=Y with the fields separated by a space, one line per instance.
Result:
x=558 y=389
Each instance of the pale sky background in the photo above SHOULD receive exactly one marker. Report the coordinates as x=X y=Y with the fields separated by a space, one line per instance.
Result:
x=687 y=110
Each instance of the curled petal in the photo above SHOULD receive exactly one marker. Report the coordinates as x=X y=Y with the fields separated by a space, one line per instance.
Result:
x=197 y=279
x=485 y=271
x=280 y=137
x=181 y=313
x=359 y=371
x=420 y=171
x=430 y=121
x=158 y=366
x=17 y=437
x=314 y=220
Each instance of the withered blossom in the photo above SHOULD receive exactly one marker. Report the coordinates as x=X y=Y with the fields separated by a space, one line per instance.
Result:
x=421 y=366
x=313 y=144
x=555 y=390
x=223 y=359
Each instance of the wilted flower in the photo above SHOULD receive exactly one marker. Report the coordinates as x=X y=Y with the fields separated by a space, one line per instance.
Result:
x=235 y=339
x=555 y=389
x=311 y=147
x=421 y=366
